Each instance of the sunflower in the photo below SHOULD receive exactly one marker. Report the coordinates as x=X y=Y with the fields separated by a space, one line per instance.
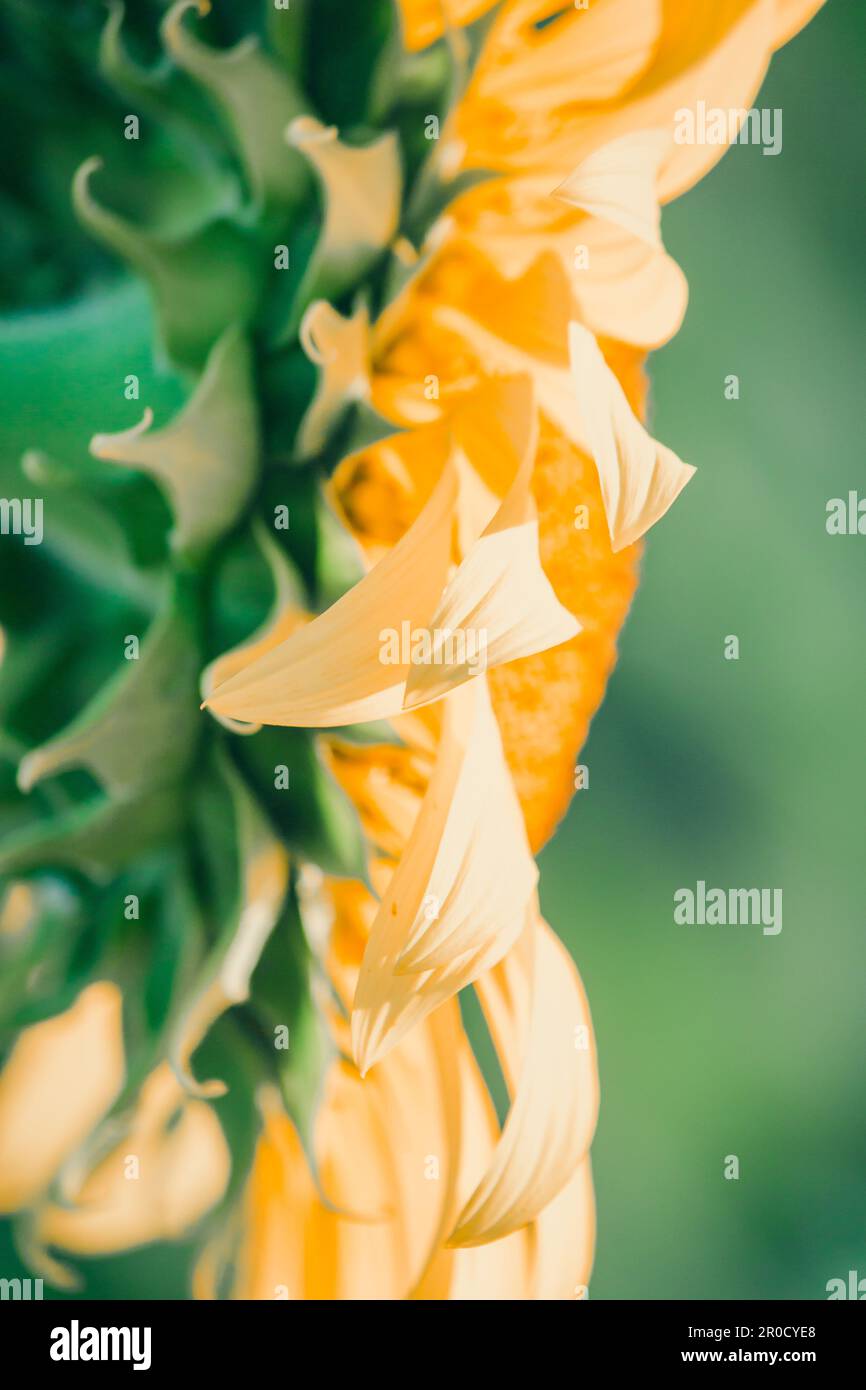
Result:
x=352 y=583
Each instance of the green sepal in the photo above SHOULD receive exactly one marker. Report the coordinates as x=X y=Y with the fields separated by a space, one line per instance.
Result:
x=140 y=731
x=339 y=564
x=203 y=280
x=360 y=191
x=261 y=881
x=206 y=461
x=312 y=815
x=98 y=838
x=161 y=90
x=258 y=98
x=286 y=1010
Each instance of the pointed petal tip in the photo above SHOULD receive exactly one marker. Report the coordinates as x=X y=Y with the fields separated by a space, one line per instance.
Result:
x=28 y=773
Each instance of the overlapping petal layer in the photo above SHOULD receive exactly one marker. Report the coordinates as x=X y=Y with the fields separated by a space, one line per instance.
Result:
x=458 y=896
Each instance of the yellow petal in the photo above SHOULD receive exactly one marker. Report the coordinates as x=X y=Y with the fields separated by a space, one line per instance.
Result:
x=675 y=56
x=630 y=288
x=424 y=21
x=535 y=991
x=499 y=602
x=385 y=783
x=340 y=349
x=457 y=899
x=623 y=287
x=586 y=55
x=286 y=616
x=506 y=1269
x=792 y=16
x=630 y=291
x=362 y=188
x=544 y=703
x=640 y=478
x=61 y=1077
x=564 y=1237
x=618 y=183
x=551 y=381
x=330 y=672
x=168 y=1170
x=385 y=1158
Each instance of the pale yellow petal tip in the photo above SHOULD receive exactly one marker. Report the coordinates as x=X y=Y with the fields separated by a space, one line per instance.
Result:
x=103 y=445
x=617 y=183
x=307 y=130
x=197 y=1090
x=173 y=18
x=640 y=479
x=28 y=772
x=677 y=479
x=369 y=1045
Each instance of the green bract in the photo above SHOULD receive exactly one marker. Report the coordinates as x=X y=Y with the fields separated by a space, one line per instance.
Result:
x=175 y=210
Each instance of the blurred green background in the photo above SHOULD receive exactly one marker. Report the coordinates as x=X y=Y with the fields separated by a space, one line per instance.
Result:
x=720 y=1040
x=713 y=1040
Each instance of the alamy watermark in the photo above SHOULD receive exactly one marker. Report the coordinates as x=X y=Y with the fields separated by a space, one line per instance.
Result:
x=720 y=907
x=23 y=1290
x=22 y=516
x=77 y=1343
x=714 y=125
x=438 y=646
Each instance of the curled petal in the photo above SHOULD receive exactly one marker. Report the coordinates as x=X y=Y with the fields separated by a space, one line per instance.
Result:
x=361 y=189
x=640 y=478
x=618 y=183
x=500 y=600
x=182 y=1169
x=340 y=349
x=535 y=994
x=330 y=672
x=45 y=1111
x=457 y=899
